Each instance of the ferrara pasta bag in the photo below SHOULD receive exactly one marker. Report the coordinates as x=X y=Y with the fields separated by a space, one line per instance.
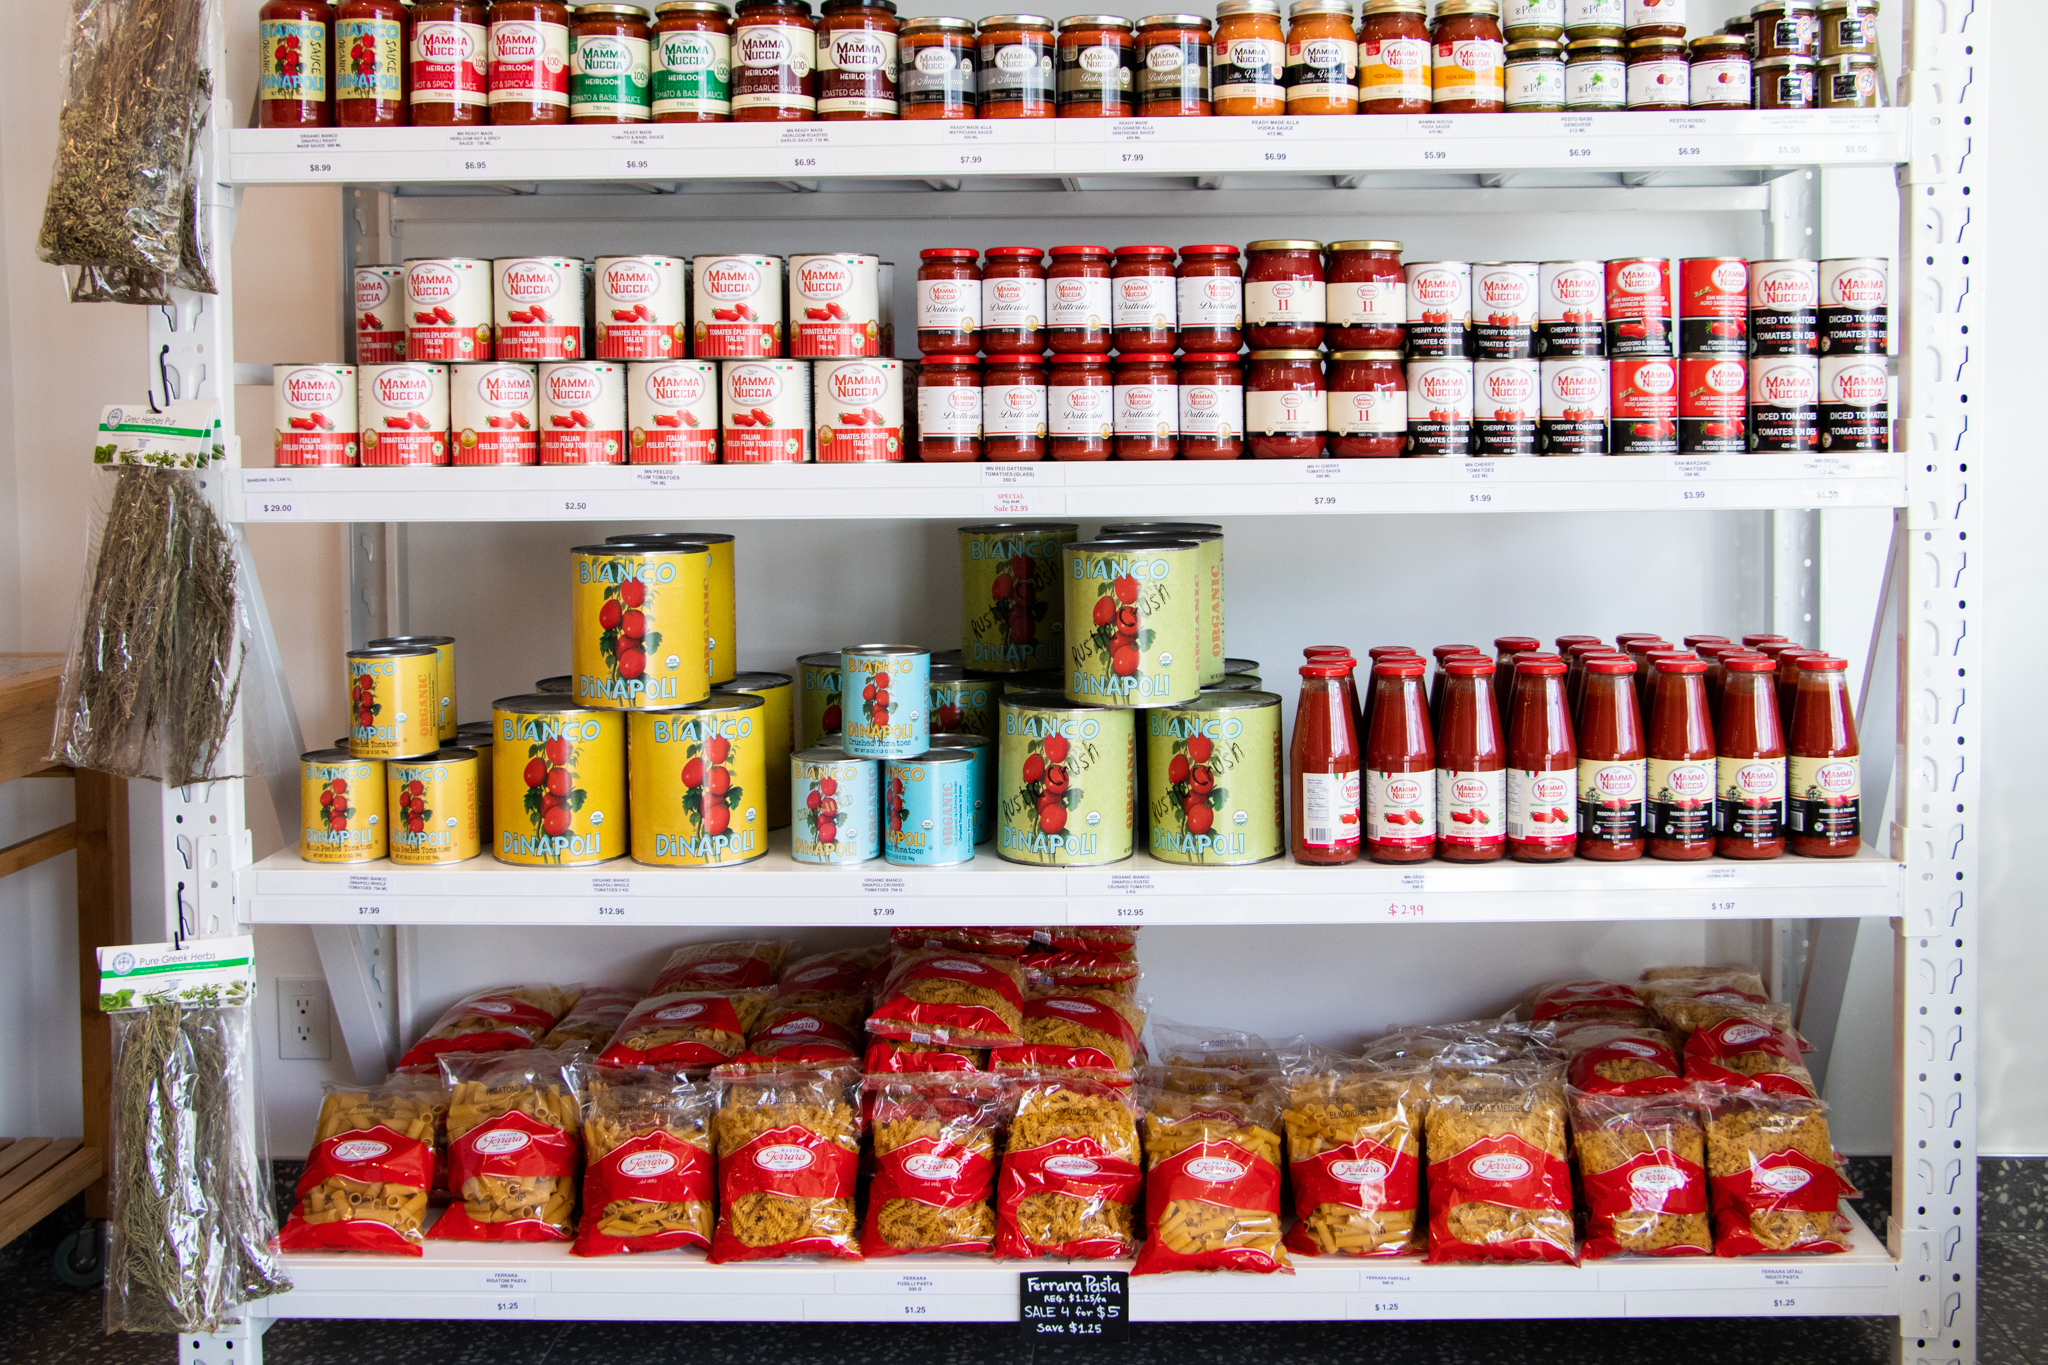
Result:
x=996 y=940
x=1354 y=1152
x=367 y=1178
x=1642 y=1166
x=788 y=1151
x=1619 y=1059
x=1771 y=1174
x=934 y=995
x=737 y=965
x=846 y=972
x=502 y=1019
x=1212 y=1183
x=685 y=1029
x=1500 y=1187
x=1759 y=1050
x=1614 y=1002
x=822 y=1032
x=514 y=1140
x=1683 y=1004
x=935 y=1162
x=887 y=1057
x=1076 y=1028
x=593 y=1019
x=1070 y=1174
x=649 y=1184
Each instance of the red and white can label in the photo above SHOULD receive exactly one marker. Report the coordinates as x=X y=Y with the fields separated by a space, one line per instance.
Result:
x=1855 y=403
x=1713 y=306
x=1439 y=307
x=860 y=411
x=537 y=306
x=1147 y=410
x=1440 y=404
x=949 y=410
x=1543 y=806
x=640 y=301
x=316 y=415
x=450 y=63
x=582 y=412
x=767 y=409
x=1784 y=308
x=1144 y=302
x=529 y=63
x=1713 y=404
x=835 y=300
x=448 y=309
x=1504 y=309
x=496 y=412
x=1018 y=409
x=1575 y=406
x=1506 y=402
x=402 y=412
x=1855 y=306
x=1571 y=308
x=380 y=314
x=1639 y=306
x=1214 y=410
x=1784 y=402
x=672 y=412
x=738 y=306
x=1643 y=395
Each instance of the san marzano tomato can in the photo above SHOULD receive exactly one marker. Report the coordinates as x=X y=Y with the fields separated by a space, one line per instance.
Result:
x=558 y=782
x=1855 y=402
x=494 y=412
x=887 y=689
x=835 y=304
x=1013 y=602
x=1643 y=398
x=1571 y=308
x=448 y=309
x=1639 y=306
x=537 y=307
x=640 y=307
x=672 y=411
x=432 y=803
x=738 y=306
x=1064 y=781
x=767 y=411
x=928 y=808
x=380 y=314
x=1784 y=402
x=1212 y=780
x=698 y=777
x=838 y=808
x=778 y=731
x=582 y=412
x=315 y=415
x=394 y=701
x=402 y=413
x=639 y=616
x=859 y=411
x=1134 y=621
x=341 y=807
x=1713 y=305
x=819 y=715
x=1713 y=404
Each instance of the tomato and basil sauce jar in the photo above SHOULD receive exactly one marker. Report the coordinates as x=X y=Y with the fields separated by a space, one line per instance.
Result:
x=558 y=782
x=1175 y=53
x=962 y=703
x=1285 y=297
x=1367 y=296
x=819 y=715
x=1440 y=407
x=1081 y=407
x=857 y=60
x=1209 y=297
x=1015 y=54
x=528 y=71
x=448 y=309
x=1468 y=66
x=1286 y=408
x=296 y=64
x=639 y=614
x=341 y=807
x=1439 y=308
x=1212 y=780
x=1134 y=613
x=698 y=777
x=402 y=414
x=836 y=801
x=1211 y=405
x=1506 y=406
x=443 y=646
x=935 y=73
x=1013 y=301
x=610 y=65
x=1095 y=60
x=889 y=690
x=1146 y=403
x=1013 y=615
x=1250 y=73
x=1015 y=409
x=774 y=62
x=316 y=411
x=432 y=806
x=1368 y=405
x=692 y=60
x=949 y=409
x=1395 y=57
x=928 y=808
x=1065 y=781
x=949 y=301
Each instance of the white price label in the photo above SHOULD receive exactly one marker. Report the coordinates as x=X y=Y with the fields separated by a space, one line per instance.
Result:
x=1412 y=881
x=884 y=912
x=808 y=163
x=509 y=1281
x=368 y=882
x=1476 y=471
x=1325 y=500
x=281 y=511
x=366 y=910
x=1016 y=475
x=1121 y=883
x=1690 y=497
x=610 y=912
x=634 y=163
x=658 y=478
x=1322 y=471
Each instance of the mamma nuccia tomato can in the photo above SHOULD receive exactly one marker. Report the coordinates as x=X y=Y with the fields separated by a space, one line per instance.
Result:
x=394 y=701
x=1013 y=611
x=558 y=782
x=433 y=803
x=1212 y=780
x=639 y=614
x=1064 y=781
x=887 y=689
x=928 y=808
x=699 y=775
x=1133 y=613
x=341 y=807
x=838 y=806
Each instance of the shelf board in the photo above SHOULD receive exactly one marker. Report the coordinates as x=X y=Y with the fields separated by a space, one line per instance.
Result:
x=1677 y=148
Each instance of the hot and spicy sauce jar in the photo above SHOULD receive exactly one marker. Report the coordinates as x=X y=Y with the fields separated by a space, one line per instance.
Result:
x=1174 y=53
x=1077 y=300
x=445 y=63
x=774 y=66
x=949 y=409
x=1095 y=59
x=1211 y=405
x=1468 y=74
x=1142 y=298
x=369 y=64
x=297 y=60
x=857 y=60
x=529 y=62
x=1367 y=296
x=1209 y=297
x=1286 y=410
x=1013 y=300
x=1283 y=294
x=935 y=68
x=948 y=301
x=1015 y=56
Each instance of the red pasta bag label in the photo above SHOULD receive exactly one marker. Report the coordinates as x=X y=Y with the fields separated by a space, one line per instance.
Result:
x=511 y=1147
x=1088 y=1014
x=519 y=1024
x=790 y=1163
x=1510 y=1174
x=1364 y=1175
x=1075 y=1169
x=887 y=1059
x=1570 y=998
x=1776 y=1183
x=369 y=1156
x=653 y=1168
x=1659 y=1181
x=1707 y=1051
x=699 y=1014
x=1213 y=1206
x=934 y=1172
x=901 y=1016
x=1083 y=968
x=1594 y=1069
x=804 y=1026
x=834 y=976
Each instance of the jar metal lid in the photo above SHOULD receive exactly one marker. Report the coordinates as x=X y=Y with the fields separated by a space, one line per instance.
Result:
x=1826 y=5
x=995 y=21
x=1720 y=44
x=622 y=11
x=1366 y=355
x=1449 y=9
x=1535 y=47
x=802 y=7
x=1595 y=47
x=937 y=23
x=1027 y=252
x=1301 y=7
x=1365 y=244
x=1226 y=8
x=1645 y=44
x=1283 y=244
x=1774 y=62
x=691 y=7
x=841 y=6
x=1210 y=249
x=1116 y=21
x=1184 y=20
x=1373 y=7
x=1286 y=355
x=1759 y=10
x=939 y=253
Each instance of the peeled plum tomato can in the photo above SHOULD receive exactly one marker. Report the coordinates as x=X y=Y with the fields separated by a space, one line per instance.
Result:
x=1368 y=404
x=1507 y=402
x=1713 y=404
x=778 y=730
x=582 y=412
x=1855 y=305
x=837 y=804
x=1784 y=83
x=1134 y=618
x=537 y=307
x=394 y=696
x=835 y=304
x=928 y=808
x=1209 y=297
x=494 y=412
x=672 y=411
x=640 y=307
x=774 y=61
x=1285 y=294
x=1784 y=307
x=949 y=301
x=1439 y=308
x=963 y=703
x=448 y=309
x=1534 y=80
x=341 y=807
x=1784 y=402
x=1713 y=305
x=1209 y=607
x=444 y=675
x=1147 y=406
x=1367 y=296
x=402 y=413
x=1643 y=397
x=935 y=76
x=698 y=777
x=1855 y=403
x=1013 y=595
x=1015 y=55
x=981 y=776
x=1065 y=777
x=737 y=304
x=1718 y=73
x=1286 y=406
x=1441 y=405
x=1211 y=412
x=887 y=690
x=767 y=411
x=379 y=314
x=1212 y=780
x=315 y=421
x=1640 y=312
x=1094 y=64
x=1504 y=310
x=1571 y=308
x=1013 y=301
x=433 y=805
x=857 y=60
x=1575 y=406
x=638 y=614
x=819 y=715
x=859 y=411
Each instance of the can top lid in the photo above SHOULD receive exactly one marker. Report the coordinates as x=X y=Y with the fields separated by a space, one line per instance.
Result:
x=334 y=755
x=719 y=700
x=1051 y=699
x=694 y=537
x=545 y=703
x=402 y=640
x=1125 y=528
x=886 y=651
x=995 y=527
x=948 y=673
x=957 y=740
x=391 y=652
x=1108 y=543
x=756 y=682
x=1283 y=244
x=621 y=545
x=938 y=756
x=819 y=660
x=453 y=753
x=936 y=253
x=560 y=684
x=1246 y=699
x=1365 y=244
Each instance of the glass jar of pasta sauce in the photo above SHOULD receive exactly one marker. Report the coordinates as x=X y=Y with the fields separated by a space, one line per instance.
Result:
x=1785 y=28
x=1251 y=59
x=857 y=60
x=1013 y=300
x=1284 y=300
x=609 y=65
x=1174 y=54
x=1077 y=301
x=446 y=64
x=1368 y=404
x=1653 y=19
x=529 y=62
x=1095 y=66
x=1659 y=74
x=1848 y=28
x=1209 y=297
x=1014 y=54
x=1211 y=405
x=369 y=63
x=775 y=59
x=1395 y=58
x=949 y=409
x=1286 y=410
x=948 y=301
x=1535 y=76
x=1468 y=73
x=1147 y=402
x=295 y=89
x=1525 y=19
x=1013 y=408
x=692 y=62
x=1718 y=72
x=1368 y=296
x=1322 y=58
x=1142 y=310
x=935 y=68
x=1080 y=405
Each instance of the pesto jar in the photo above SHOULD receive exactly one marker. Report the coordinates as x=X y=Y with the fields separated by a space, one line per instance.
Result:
x=1535 y=76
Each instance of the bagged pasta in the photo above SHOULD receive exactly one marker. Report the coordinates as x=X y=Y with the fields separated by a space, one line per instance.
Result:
x=887 y=1057
x=935 y=995
x=788 y=1153
x=368 y=1177
x=593 y=1019
x=1620 y=1059
x=1076 y=1028
x=1683 y=1004
x=820 y=1033
x=501 y=1019
x=1212 y=1183
x=823 y=976
x=514 y=1139
x=1759 y=1050
x=1679 y=973
x=1354 y=1155
x=735 y=965
x=1085 y=938
x=1082 y=968
x=994 y=939
x=1771 y=1174
x=935 y=1162
x=649 y=1184
x=1499 y=1183
x=685 y=1029
x=1642 y=1166
x=1070 y=1176
x=1613 y=1001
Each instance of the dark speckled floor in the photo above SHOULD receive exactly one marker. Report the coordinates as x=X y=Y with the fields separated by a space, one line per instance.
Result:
x=43 y=1323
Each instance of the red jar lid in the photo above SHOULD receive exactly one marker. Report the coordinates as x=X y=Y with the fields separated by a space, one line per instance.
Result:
x=1325 y=670
x=1550 y=666
x=1210 y=358
x=1210 y=249
x=1030 y=252
x=939 y=253
x=1822 y=663
x=1505 y=642
x=1442 y=652
x=1747 y=663
x=1021 y=359
x=931 y=360
x=1144 y=251
x=1398 y=668
x=1326 y=652
x=1145 y=358
x=1469 y=666
x=1080 y=251
x=1676 y=665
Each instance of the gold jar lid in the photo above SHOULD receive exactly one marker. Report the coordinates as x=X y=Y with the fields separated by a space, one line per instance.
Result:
x=937 y=23
x=1720 y=45
x=1595 y=47
x=1184 y=20
x=995 y=21
x=1459 y=9
x=1116 y=21
x=1373 y=7
x=1535 y=47
x=1301 y=7
x=1284 y=244
x=621 y=11
x=691 y=7
x=1226 y=8
x=1286 y=355
x=1366 y=355
x=1365 y=244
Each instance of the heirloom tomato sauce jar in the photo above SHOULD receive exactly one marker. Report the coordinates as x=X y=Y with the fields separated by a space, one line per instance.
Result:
x=1286 y=408
x=1077 y=299
x=529 y=62
x=1094 y=66
x=948 y=301
x=1368 y=296
x=1211 y=405
x=1142 y=287
x=1174 y=55
x=1209 y=294
x=1284 y=294
x=949 y=409
x=692 y=62
x=774 y=62
x=446 y=61
x=935 y=68
x=1013 y=300
x=609 y=65
x=857 y=60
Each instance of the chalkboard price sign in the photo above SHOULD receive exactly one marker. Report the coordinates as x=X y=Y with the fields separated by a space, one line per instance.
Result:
x=1079 y=1304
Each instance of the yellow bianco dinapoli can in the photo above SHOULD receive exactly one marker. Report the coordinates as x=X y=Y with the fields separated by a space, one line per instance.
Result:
x=1133 y=635
x=341 y=807
x=1209 y=603
x=1064 y=781
x=639 y=614
x=558 y=782
x=478 y=737
x=699 y=774
x=394 y=701
x=724 y=591
x=778 y=727
x=1212 y=780
x=433 y=807
x=444 y=667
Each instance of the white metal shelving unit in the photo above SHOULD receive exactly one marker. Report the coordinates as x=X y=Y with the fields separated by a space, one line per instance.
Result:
x=1919 y=875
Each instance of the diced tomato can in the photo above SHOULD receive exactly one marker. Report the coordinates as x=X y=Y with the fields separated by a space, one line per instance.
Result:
x=1639 y=306
x=402 y=412
x=699 y=777
x=737 y=304
x=1504 y=309
x=316 y=415
x=766 y=405
x=448 y=309
x=380 y=314
x=495 y=409
x=672 y=411
x=640 y=307
x=582 y=412
x=1575 y=406
x=1713 y=305
x=859 y=411
x=1784 y=307
x=1642 y=394
x=1507 y=399
x=1855 y=403
x=1571 y=308
x=1713 y=404
x=835 y=304
x=1784 y=402
x=432 y=804
x=341 y=807
x=1855 y=305
x=537 y=307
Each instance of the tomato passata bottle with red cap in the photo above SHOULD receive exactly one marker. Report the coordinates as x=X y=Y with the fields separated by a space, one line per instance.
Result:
x=1681 y=764
x=1324 y=769
x=1400 y=767
x=1826 y=780
x=1471 y=766
x=1749 y=811
x=1542 y=765
x=1613 y=772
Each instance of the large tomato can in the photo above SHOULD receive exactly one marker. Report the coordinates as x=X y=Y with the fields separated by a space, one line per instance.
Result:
x=838 y=806
x=432 y=803
x=1575 y=406
x=1064 y=782
x=859 y=411
x=698 y=775
x=639 y=613
x=1642 y=394
x=494 y=413
x=963 y=702
x=1012 y=598
x=1209 y=586
x=316 y=409
x=1640 y=312
x=341 y=807
x=818 y=716
x=443 y=646
x=1571 y=308
x=402 y=413
x=981 y=777
x=1713 y=305
x=1713 y=404
x=778 y=732
x=640 y=307
x=380 y=314
x=448 y=309
x=477 y=736
x=1784 y=402
x=888 y=689
x=1212 y=780
x=835 y=304
x=394 y=703
x=672 y=411
x=582 y=412
x=1855 y=305
x=724 y=594
x=558 y=782
x=1855 y=402
x=537 y=307
x=1135 y=608
x=737 y=304
x=767 y=411
x=928 y=808
x=559 y=685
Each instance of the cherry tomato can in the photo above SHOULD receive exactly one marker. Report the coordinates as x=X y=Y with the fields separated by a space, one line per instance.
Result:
x=818 y=715
x=341 y=807
x=1504 y=309
x=1643 y=397
x=1784 y=402
x=698 y=775
x=315 y=415
x=1440 y=407
x=672 y=411
x=476 y=736
x=537 y=307
x=778 y=731
x=433 y=808
x=494 y=413
x=1784 y=307
x=1639 y=306
x=1855 y=306
x=1065 y=776
x=402 y=413
x=558 y=782
x=1713 y=305
x=394 y=701
x=838 y=805
x=444 y=676
x=928 y=808
x=963 y=703
x=1135 y=609
x=1855 y=403
x=835 y=304
x=448 y=309
x=767 y=407
x=380 y=314
x=1212 y=780
x=1439 y=307
x=981 y=777
x=859 y=411
x=582 y=412
x=1506 y=403
x=889 y=689
x=1713 y=404
x=724 y=594
x=1571 y=308
x=737 y=304
x=1013 y=603
x=641 y=302
x=1575 y=406
x=639 y=616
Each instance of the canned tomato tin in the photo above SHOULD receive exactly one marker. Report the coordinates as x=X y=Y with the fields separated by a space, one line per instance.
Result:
x=640 y=307
x=737 y=303
x=1440 y=407
x=1855 y=403
x=818 y=713
x=476 y=736
x=778 y=731
x=639 y=617
x=724 y=588
x=672 y=411
x=835 y=304
x=1571 y=308
x=560 y=685
x=1713 y=305
x=1013 y=604
x=1212 y=779
x=582 y=412
x=1504 y=309
x=698 y=775
x=448 y=309
x=1209 y=585
x=1575 y=407
x=495 y=412
x=1713 y=405
x=380 y=314
x=537 y=306
x=981 y=777
x=1439 y=307
x=859 y=411
x=341 y=807
x=315 y=409
x=1784 y=307
x=1135 y=604
x=402 y=413
x=1643 y=397
x=767 y=410
x=1639 y=306
x=433 y=807
x=394 y=704
x=558 y=784
x=444 y=675
x=1506 y=402
x=1855 y=305
x=928 y=808
x=838 y=806
x=1240 y=668
x=890 y=691
x=1784 y=402
x=962 y=704
x=1064 y=782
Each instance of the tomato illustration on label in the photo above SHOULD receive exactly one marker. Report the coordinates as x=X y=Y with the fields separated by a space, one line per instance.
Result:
x=821 y=811
x=1017 y=600
x=625 y=641
x=335 y=807
x=710 y=794
x=413 y=812
x=1120 y=635
x=1048 y=782
x=552 y=796
x=1194 y=795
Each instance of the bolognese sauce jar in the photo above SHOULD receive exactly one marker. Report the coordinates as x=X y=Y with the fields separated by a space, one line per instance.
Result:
x=1080 y=404
x=446 y=64
x=1286 y=408
x=402 y=413
x=738 y=306
x=582 y=412
x=1146 y=398
x=1367 y=294
x=1394 y=58
x=1368 y=404
x=1575 y=406
x=1467 y=72
x=692 y=62
x=1504 y=309
x=774 y=66
x=835 y=302
x=1173 y=66
x=1285 y=299
x=1015 y=55
x=380 y=323
x=1142 y=288
x=1322 y=58
x=949 y=409
x=1506 y=405
x=529 y=62
x=935 y=75
x=857 y=60
x=1209 y=297
x=1013 y=300
x=448 y=309
x=672 y=411
x=1713 y=397
x=1659 y=74
x=1713 y=305
x=948 y=301
x=1251 y=59
x=1718 y=73
x=1784 y=307
x=1639 y=306
x=1439 y=308
x=537 y=303
x=1211 y=405
x=315 y=415
x=1784 y=402
x=1077 y=300
x=1095 y=65
x=1013 y=408
x=640 y=307
x=1440 y=406
x=494 y=414
x=1643 y=396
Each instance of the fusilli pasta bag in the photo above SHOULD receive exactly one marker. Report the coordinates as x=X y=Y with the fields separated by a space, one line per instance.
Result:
x=788 y=1156
x=1354 y=1155
x=1642 y=1167
x=514 y=1140
x=501 y=1019
x=648 y=1184
x=1771 y=1174
x=1212 y=1183
x=941 y=996
x=844 y=971
x=1620 y=1059
x=887 y=1057
x=1070 y=1176
x=1076 y=1028
x=367 y=1179
x=1500 y=1186
x=935 y=1163
x=734 y=965
x=1612 y=1001
x=685 y=1029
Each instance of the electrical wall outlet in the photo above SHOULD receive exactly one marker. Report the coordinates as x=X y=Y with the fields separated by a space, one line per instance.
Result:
x=303 y=1031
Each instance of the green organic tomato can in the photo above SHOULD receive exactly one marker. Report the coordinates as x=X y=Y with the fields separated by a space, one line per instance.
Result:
x=1135 y=607
x=1240 y=668
x=1064 y=776
x=1012 y=609
x=817 y=715
x=1211 y=606
x=1212 y=780
x=964 y=703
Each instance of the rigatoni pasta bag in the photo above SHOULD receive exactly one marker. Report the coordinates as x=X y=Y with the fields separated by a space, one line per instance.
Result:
x=514 y=1142
x=685 y=1029
x=1642 y=1166
x=367 y=1179
x=734 y=965
x=1354 y=1157
x=1500 y=1184
x=935 y=995
x=788 y=1153
x=501 y=1019
x=1070 y=1176
x=650 y=1182
x=1212 y=1183
x=935 y=1162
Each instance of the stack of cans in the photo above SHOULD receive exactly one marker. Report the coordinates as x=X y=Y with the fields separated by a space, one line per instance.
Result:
x=1714 y=294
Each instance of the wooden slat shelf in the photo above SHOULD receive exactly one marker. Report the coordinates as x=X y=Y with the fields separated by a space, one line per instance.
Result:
x=39 y=1175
